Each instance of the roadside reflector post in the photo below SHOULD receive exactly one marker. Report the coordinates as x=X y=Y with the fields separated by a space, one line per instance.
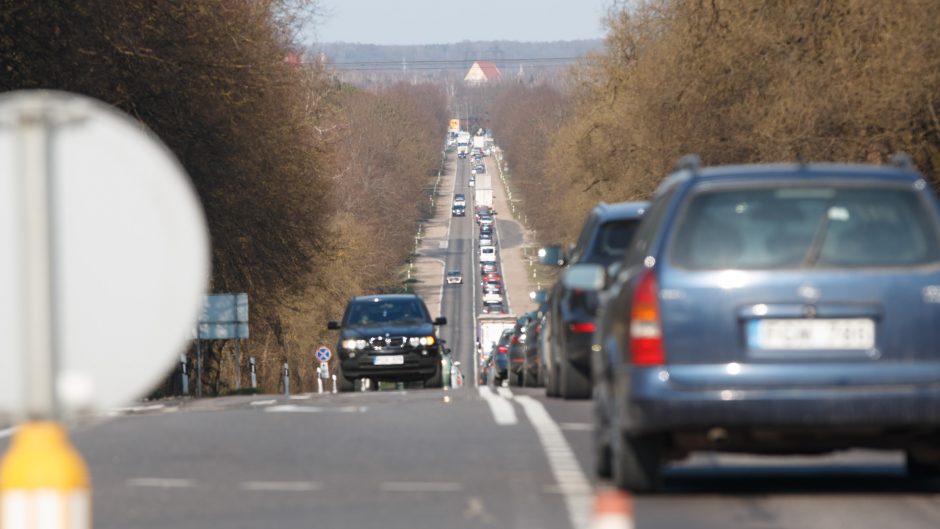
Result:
x=334 y=384
x=90 y=202
x=319 y=386
x=44 y=481
x=254 y=372
x=286 y=379
x=184 y=376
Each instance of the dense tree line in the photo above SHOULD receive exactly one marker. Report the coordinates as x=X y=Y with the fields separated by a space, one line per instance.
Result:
x=740 y=81
x=310 y=187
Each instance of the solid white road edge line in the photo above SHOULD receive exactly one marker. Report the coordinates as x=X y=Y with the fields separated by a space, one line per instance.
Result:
x=571 y=480
x=502 y=410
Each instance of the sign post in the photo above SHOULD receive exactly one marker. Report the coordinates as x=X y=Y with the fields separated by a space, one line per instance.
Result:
x=89 y=204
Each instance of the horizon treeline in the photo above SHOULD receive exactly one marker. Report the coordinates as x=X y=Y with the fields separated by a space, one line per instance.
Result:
x=309 y=186
x=734 y=81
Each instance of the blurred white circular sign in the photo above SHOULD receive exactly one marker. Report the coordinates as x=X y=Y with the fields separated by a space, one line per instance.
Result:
x=130 y=247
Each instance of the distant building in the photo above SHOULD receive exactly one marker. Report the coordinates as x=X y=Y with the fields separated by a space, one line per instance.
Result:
x=482 y=72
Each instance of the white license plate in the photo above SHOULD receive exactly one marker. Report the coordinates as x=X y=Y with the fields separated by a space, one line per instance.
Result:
x=797 y=334
x=388 y=360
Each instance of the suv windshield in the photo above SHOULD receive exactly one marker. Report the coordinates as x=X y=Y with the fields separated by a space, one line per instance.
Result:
x=385 y=310
x=804 y=227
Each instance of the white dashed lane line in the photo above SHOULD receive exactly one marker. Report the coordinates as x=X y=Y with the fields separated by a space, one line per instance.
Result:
x=280 y=486
x=420 y=486
x=161 y=483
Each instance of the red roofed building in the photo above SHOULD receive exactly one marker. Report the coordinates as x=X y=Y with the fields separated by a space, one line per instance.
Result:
x=482 y=72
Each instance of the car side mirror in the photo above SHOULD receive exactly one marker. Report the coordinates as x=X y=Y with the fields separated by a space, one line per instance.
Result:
x=332 y=325
x=539 y=296
x=552 y=255
x=440 y=320
x=584 y=277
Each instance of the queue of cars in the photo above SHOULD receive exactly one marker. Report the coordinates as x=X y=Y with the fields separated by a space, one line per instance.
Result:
x=769 y=309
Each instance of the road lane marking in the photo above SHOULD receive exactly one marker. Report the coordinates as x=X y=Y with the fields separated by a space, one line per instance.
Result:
x=304 y=396
x=7 y=432
x=263 y=402
x=294 y=408
x=570 y=479
x=161 y=483
x=130 y=410
x=502 y=410
x=420 y=486
x=280 y=486
x=504 y=392
x=576 y=426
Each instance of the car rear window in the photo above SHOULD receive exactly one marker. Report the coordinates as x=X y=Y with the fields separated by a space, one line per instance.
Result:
x=793 y=227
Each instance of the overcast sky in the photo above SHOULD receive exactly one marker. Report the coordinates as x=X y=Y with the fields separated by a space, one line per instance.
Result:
x=447 y=21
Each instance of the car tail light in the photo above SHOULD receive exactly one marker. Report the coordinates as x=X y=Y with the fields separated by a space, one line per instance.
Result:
x=503 y=349
x=515 y=339
x=646 y=335
x=582 y=327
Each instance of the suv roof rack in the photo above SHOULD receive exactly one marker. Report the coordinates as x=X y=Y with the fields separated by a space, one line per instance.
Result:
x=690 y=162
x=902 y=160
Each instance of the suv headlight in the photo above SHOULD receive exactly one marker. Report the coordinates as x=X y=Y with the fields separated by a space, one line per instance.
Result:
x=415 y=341
x=353 y=344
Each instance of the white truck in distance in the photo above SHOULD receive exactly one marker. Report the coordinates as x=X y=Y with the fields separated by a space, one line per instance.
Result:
x=490 y=327
x=463 y=144
x=483 y=197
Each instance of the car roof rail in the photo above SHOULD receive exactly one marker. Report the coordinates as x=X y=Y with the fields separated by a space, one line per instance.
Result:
x=902 y=160
x=689 y=162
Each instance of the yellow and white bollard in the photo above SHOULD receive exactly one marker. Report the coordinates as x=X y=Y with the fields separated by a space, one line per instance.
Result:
x=44 y=481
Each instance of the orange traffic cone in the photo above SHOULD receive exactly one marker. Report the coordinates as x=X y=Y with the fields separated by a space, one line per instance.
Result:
x=613 y=509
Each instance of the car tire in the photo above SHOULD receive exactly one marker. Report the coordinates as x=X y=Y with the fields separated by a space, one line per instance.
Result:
x=603 y=467
x=551 y=382
x=344 y=385
x=436 y=381
x=635 y=463
x=922 y=464
x=573 y=384
x=531 y=378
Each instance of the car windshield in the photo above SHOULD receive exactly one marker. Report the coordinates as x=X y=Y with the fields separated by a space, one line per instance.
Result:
x=613 y=239
x=792 y=227
x=385 y=310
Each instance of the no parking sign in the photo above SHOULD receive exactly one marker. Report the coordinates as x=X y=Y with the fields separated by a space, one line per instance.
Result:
x=323 y=354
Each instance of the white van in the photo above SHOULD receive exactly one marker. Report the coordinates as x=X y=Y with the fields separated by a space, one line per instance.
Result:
x=487 y=254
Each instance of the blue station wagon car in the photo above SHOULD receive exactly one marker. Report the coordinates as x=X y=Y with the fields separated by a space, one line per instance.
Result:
x=772 y=310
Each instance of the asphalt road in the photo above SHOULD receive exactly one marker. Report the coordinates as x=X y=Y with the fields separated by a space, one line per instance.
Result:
x=459 y=458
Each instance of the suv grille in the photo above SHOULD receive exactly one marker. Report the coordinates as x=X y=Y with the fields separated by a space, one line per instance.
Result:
x=390 y=342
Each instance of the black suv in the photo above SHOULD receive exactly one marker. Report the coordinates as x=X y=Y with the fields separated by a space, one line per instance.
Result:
x=569 y=329
x=388 y=337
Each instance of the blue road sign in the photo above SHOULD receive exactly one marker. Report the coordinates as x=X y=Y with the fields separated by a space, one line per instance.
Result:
x=323 y=354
